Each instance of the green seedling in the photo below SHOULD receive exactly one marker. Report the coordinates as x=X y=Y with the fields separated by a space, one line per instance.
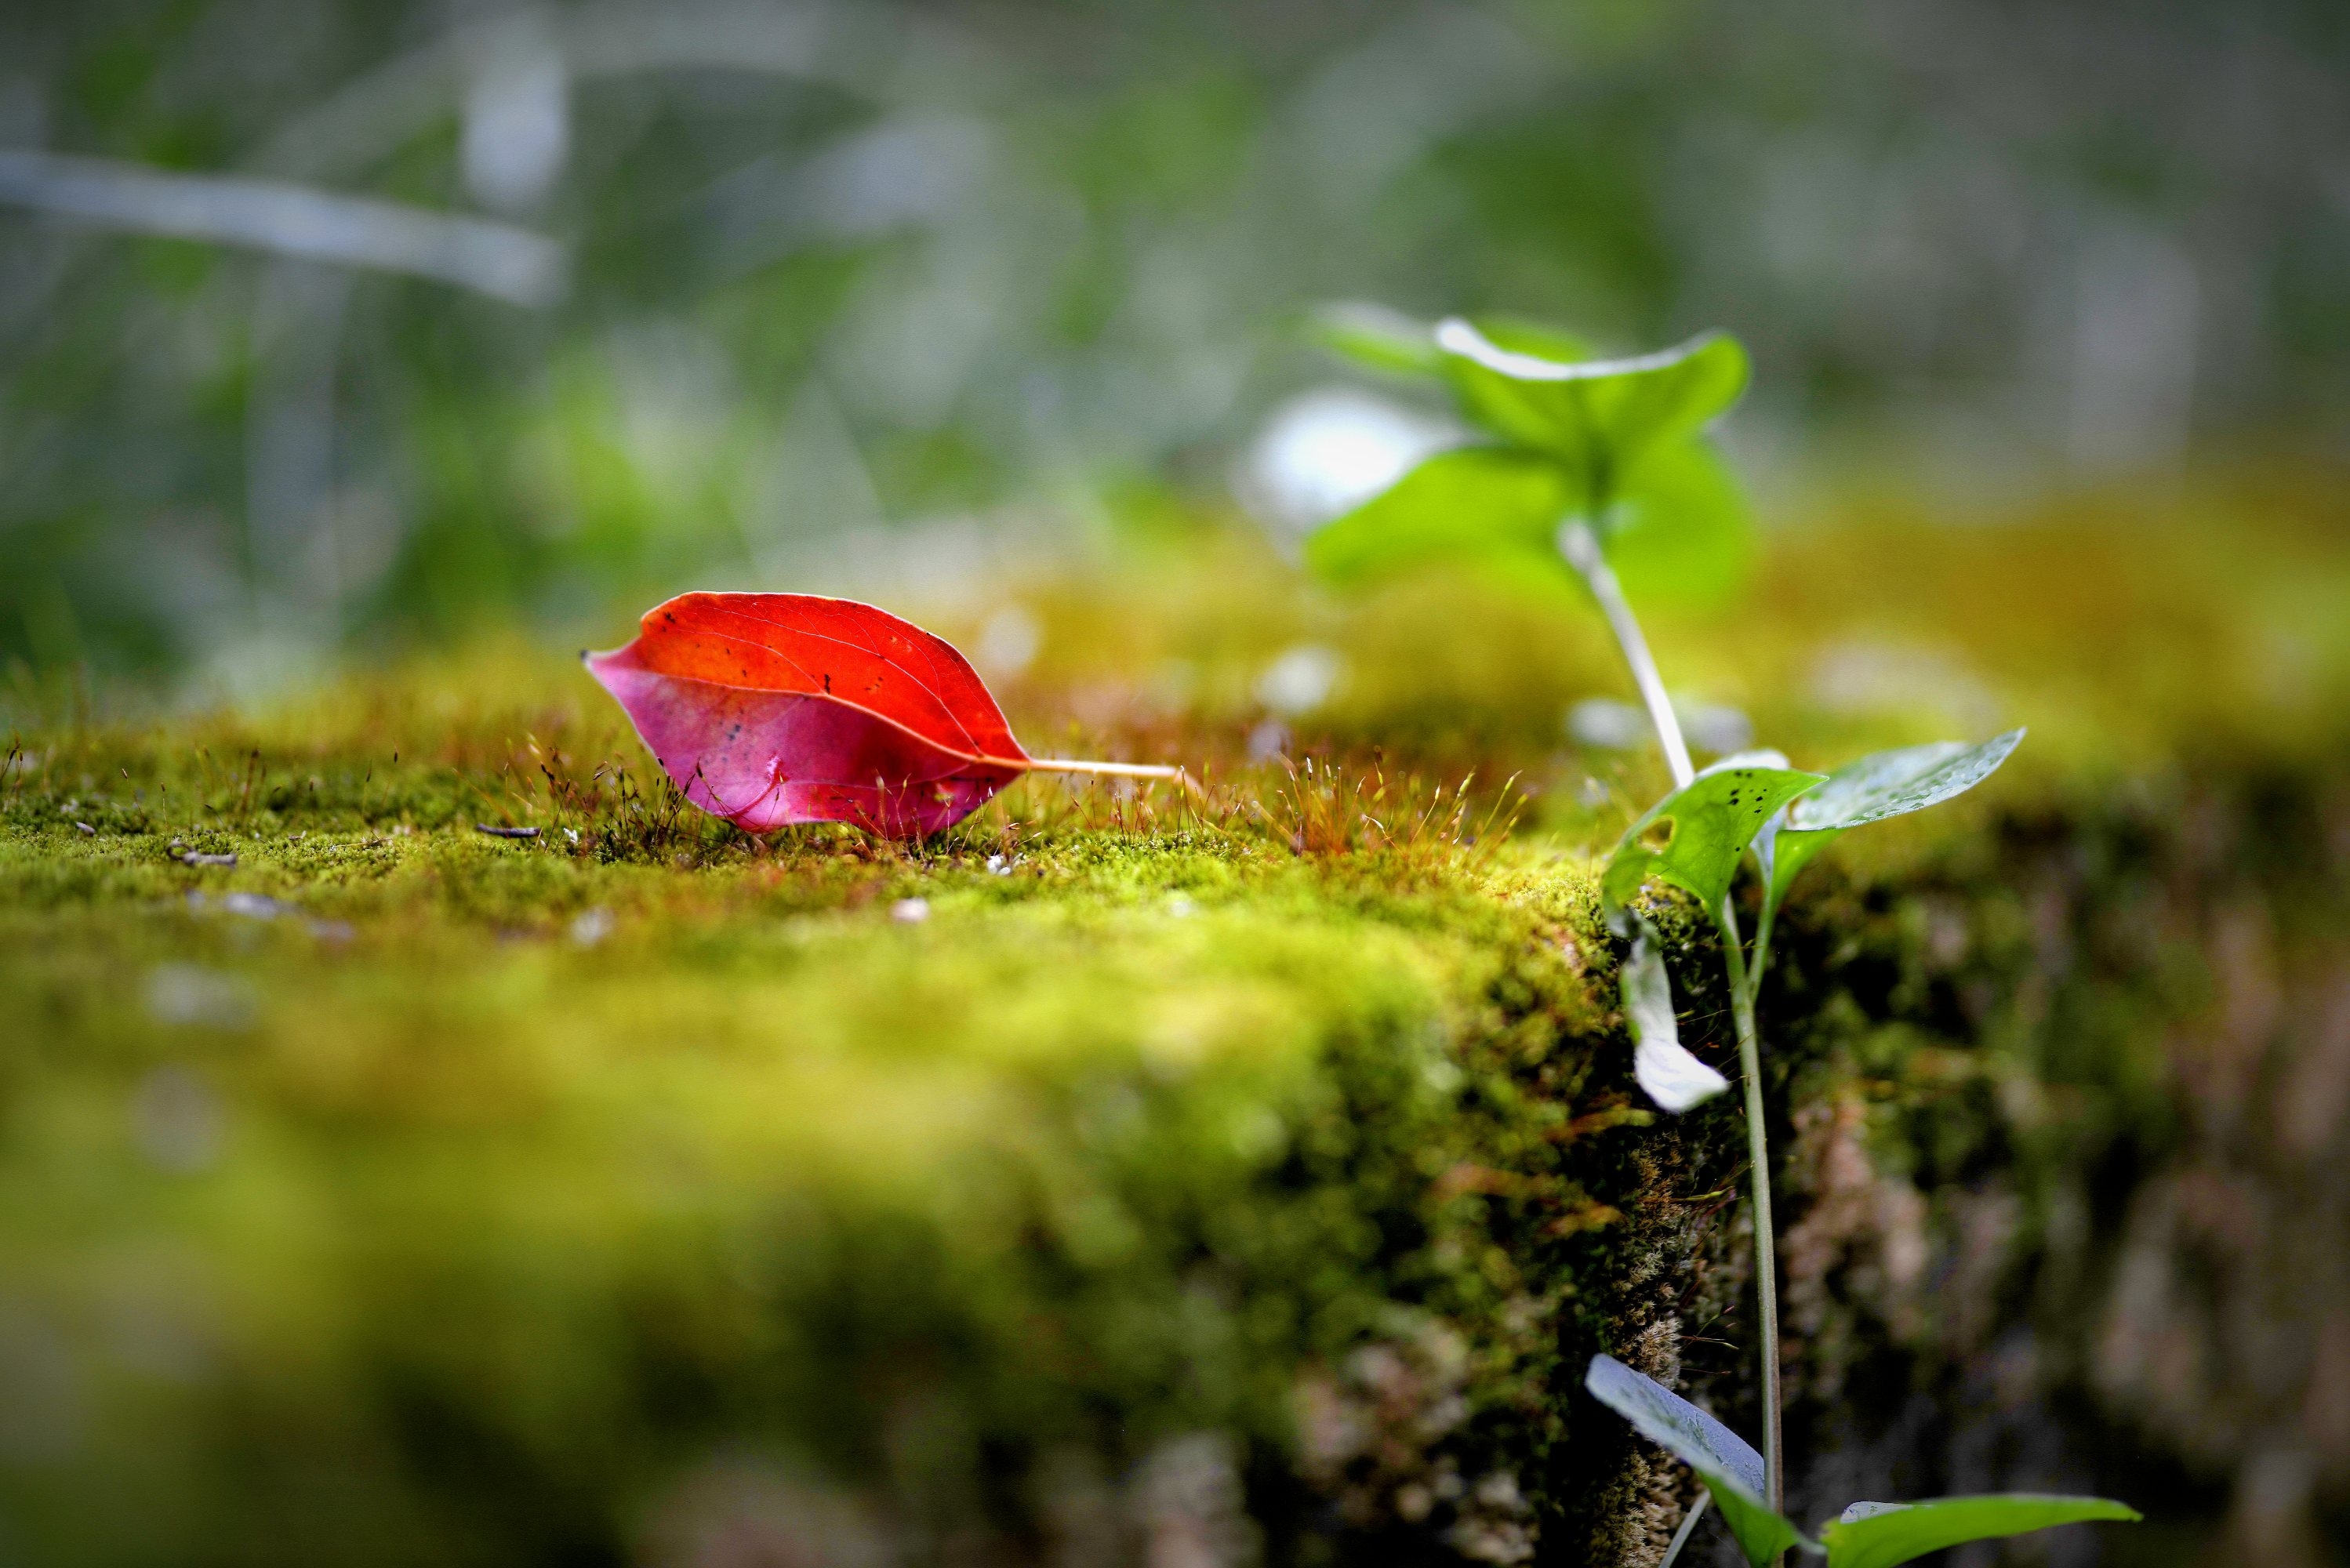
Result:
x=1866 y=1535
x=1695 y=839
x=1591 y=465
x=1592 y=469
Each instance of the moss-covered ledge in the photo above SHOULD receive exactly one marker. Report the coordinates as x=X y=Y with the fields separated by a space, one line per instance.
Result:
x=1256 y=1176
x=405 y=1192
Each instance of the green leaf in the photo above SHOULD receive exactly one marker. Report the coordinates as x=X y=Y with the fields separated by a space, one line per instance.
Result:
x=1471 y=501
x=1693 y=837
x=1893 y=783
x=1681 y=535
x=1879 y=1536
x=1600 y=418
x=1881 y=784
x=1671 y=1422
x=1727 y=1463
x=1523 y=335
x=1668 y=1070
x=1675 y=524
x=1387 y=339
x=1375 y=336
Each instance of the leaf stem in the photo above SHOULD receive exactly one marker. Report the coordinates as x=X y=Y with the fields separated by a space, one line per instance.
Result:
x=1117 y=770
x=1758 y=1153
x=1581 y=548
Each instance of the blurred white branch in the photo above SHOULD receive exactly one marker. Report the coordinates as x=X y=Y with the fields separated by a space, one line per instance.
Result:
x=375 y=114
x=491 y=258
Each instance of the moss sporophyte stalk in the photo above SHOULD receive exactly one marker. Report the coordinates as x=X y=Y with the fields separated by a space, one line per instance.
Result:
x=1580 y=455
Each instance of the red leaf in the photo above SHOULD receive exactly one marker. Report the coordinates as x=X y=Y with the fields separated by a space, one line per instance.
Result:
x=770 y=709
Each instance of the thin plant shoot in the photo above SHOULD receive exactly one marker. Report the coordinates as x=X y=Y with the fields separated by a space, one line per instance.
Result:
x=1589 y=469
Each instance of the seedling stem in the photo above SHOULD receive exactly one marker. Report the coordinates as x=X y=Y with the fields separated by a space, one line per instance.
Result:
x=1758 y=1152
x=1580 y=546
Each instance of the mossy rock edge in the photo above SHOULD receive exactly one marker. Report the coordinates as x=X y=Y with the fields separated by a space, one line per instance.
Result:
x=1256 y=1176
x=404 y=1190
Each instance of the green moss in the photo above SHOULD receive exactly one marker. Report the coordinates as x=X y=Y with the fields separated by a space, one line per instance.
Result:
x=405 y=1192
x=476 y=1195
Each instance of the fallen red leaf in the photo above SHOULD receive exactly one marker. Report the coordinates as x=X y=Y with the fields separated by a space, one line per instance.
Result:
x=769 y=708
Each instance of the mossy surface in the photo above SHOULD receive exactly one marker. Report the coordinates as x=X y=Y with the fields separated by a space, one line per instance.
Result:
x=495 y=1194
x=1117 y=1166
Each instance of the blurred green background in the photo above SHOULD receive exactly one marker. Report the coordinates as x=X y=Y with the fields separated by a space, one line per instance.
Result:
x=329 y=328
x=333 y=334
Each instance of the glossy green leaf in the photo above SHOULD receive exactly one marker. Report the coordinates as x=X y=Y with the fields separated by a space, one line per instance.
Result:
x=1681 y=535
x=1727 y=1463
x=1880 y=1536
x=1375 y=336
x=1471 y=501
x=1675 y=525
x=1881 y=784
x=1671 y=1074
x=1893 y=783
x=1694 y=837
x=1600 y=418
